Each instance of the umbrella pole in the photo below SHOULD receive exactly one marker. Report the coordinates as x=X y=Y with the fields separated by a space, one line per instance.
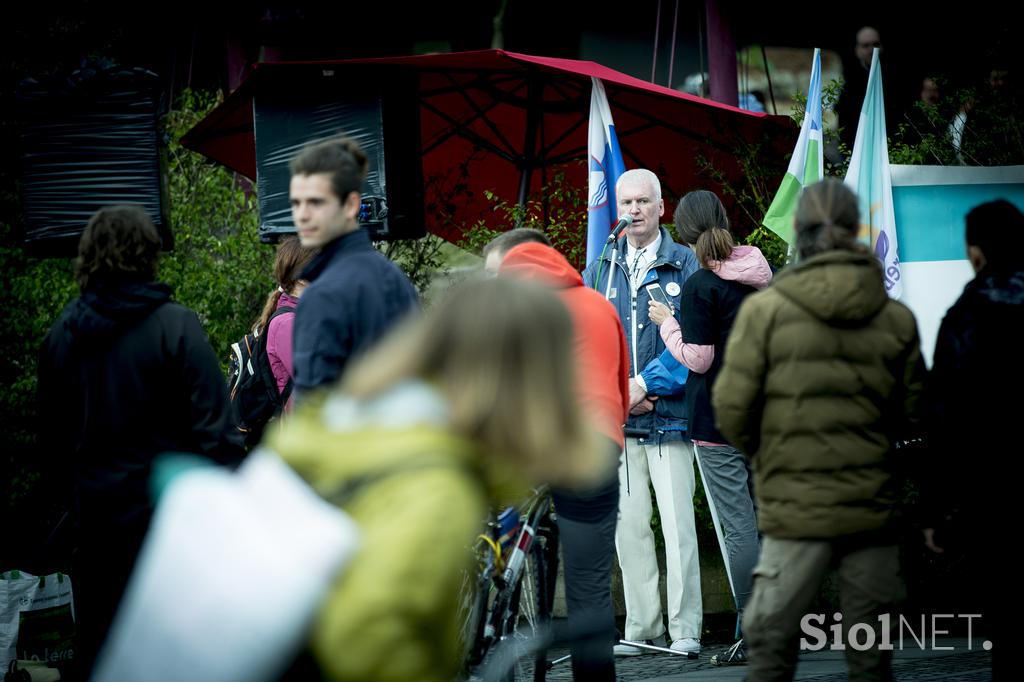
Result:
x=529 y=158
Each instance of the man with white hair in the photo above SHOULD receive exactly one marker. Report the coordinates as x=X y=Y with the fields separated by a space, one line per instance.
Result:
x=657 y=447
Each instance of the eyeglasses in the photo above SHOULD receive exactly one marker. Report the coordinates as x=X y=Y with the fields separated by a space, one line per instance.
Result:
x=874 y=44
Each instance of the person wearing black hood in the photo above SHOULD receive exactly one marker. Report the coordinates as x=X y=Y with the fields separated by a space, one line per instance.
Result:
x=974 y=475
x=124 y=375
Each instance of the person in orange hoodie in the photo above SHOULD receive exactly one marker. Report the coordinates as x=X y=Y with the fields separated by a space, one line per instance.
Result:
x=586 y=518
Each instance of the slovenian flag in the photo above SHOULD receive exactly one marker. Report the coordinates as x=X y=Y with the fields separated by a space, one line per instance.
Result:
x=605 y=161
x=806 y=167
x=869 y=176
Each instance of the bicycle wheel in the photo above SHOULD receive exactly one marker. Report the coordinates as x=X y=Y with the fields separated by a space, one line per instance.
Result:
x=474 y=592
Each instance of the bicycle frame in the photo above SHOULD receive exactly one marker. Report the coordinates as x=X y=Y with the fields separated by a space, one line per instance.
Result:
x=496 y=607
x=500 y=621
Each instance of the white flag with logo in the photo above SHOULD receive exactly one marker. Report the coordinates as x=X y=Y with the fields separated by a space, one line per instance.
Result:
x=869 y=176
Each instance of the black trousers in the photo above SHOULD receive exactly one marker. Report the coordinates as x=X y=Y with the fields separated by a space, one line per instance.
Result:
x=588 y=549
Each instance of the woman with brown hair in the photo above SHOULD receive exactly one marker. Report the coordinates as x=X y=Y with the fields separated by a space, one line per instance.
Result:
x=710 y=300
x=278 y=316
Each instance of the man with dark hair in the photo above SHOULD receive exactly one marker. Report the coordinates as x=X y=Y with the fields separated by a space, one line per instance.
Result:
x=355 y=293
x=855 y=85
x=495 y=250
x=976 y=369
x=124 y=375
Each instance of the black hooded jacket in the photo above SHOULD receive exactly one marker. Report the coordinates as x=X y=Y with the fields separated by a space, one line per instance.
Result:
x=124 y=375
x=974 y=404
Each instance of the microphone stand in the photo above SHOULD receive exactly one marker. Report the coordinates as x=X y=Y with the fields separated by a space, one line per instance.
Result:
x=620 y=227
x=611 y=269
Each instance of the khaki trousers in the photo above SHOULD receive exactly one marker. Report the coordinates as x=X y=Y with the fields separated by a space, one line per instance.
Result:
x=786 y=581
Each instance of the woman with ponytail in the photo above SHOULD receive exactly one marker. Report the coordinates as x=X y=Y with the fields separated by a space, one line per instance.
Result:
x=822 y=376
x=710 y=300
x=291 y=259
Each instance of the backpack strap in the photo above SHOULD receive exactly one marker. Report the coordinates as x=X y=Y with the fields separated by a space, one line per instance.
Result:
x=280 y=311
x=286 y=392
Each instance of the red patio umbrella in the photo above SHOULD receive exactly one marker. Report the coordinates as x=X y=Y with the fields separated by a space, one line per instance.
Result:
x=501 y=121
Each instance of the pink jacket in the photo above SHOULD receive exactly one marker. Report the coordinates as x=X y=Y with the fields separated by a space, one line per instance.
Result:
x=279 y=344
x=746 y=265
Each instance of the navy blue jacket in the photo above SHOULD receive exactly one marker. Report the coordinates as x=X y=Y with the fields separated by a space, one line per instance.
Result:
x=664 y=375
x=354 y=296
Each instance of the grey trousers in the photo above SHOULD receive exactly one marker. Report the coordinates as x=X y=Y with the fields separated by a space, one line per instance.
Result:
x=787 y=579
x=727 y=483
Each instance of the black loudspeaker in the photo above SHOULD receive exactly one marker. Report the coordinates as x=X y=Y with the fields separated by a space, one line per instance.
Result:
x=322 y=103
x=88 y=141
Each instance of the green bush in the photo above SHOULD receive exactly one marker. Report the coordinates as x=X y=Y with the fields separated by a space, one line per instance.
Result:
x=34 y=292
x=218 y=267
x=559 y=210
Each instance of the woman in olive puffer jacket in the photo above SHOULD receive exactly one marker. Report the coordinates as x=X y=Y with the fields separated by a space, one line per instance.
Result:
x=822 y=376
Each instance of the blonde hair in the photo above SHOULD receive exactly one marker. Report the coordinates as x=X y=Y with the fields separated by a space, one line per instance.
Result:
x=291 y=259
x=501 y=352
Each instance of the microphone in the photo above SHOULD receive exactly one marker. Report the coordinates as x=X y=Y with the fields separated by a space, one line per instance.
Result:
x=624 y=222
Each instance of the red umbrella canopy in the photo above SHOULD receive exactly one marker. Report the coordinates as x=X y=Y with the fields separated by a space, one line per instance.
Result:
x=504 y=122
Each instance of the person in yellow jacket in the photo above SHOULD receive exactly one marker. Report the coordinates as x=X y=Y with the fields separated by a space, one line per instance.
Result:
x=450 y=413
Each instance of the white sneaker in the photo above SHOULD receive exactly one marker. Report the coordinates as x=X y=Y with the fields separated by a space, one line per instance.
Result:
x=627 y=650
x=687 y=645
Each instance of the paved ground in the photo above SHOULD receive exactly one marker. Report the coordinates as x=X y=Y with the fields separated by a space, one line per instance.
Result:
x=910 y=665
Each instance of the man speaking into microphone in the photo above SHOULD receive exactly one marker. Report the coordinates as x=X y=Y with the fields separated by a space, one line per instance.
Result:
x=657 y=447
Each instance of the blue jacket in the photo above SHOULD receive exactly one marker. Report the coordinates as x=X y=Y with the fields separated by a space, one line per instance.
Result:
x=354 y=296
x=664 y=375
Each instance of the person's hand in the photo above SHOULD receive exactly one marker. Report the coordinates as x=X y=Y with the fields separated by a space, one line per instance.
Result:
x=658 y=312
x=929 y=541
x=636 y=394
x=644 y=406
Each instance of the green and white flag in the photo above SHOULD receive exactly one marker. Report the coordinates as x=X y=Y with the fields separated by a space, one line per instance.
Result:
x=807 y=165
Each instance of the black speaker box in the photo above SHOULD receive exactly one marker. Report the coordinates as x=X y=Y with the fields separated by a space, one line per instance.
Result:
x=88 y=141
x=375 y=107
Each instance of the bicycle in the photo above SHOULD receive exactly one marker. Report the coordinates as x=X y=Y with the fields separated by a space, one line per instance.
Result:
x=506 y=602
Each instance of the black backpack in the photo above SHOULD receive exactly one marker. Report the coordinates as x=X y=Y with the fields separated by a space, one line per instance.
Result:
x=251 y=382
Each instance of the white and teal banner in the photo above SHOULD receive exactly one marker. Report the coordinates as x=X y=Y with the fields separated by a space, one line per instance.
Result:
x=930 y=204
